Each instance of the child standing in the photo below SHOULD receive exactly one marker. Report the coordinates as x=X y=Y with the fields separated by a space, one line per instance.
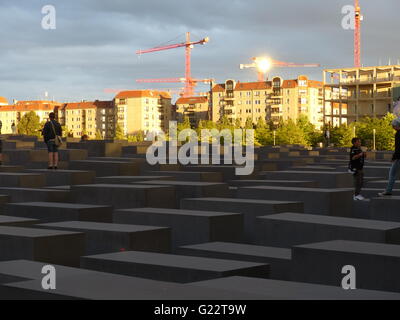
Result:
x=356 y=166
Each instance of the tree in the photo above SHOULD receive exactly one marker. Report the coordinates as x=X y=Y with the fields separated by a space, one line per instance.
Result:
x=312 y=135
x=30 y=124
x=137 y=137
x=119 y=133
x=384 y=132
x=99 y=136
x=249 y=123
x=290 y=133
x=341 y=136
x=263 y=135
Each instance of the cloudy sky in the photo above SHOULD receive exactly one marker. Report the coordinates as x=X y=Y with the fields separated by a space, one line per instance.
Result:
x=94 y=43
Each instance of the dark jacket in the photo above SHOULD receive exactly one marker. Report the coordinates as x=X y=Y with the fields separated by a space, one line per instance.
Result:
x=357 y=164
x=48 y=132
x=396 y=155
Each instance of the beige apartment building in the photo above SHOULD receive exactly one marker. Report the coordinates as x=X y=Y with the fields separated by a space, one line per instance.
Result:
x=274 y=100
x=353 y=93
x=10 y=114
x=195 y=108
x=88 y=118
x=143 y=110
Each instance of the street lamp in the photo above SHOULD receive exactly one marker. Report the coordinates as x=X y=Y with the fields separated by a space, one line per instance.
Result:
x=374 y=133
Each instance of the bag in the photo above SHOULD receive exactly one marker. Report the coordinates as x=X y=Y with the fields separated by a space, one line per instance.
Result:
x=58 y=140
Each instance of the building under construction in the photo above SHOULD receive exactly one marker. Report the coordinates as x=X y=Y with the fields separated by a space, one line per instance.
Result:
x=353 y=93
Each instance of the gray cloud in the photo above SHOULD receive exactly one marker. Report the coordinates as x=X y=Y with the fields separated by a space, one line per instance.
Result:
x=94 y=45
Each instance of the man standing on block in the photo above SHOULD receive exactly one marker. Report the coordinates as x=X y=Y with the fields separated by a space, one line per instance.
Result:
x=50 y=131
x=395 y=169
x=357 y=157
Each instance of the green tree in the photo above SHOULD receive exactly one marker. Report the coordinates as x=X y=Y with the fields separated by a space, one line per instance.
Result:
x=290 y=133
x=341 y=136
x=263 y=135
x=249 y=123
x=312 y=135
x=137 y=137
x=384 y=132
x=99 y=136
x=119 y=133
x=30 y=124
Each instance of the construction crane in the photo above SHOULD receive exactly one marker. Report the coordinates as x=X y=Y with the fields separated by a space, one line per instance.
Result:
x=189 y=82
x=263 y=65
x=357 y=34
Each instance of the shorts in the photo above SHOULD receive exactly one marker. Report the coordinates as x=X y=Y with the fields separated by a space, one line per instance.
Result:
x=51 y=146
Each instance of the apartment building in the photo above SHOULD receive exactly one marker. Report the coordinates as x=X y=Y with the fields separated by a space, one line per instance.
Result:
x=195 y=108
x=143 y=110
x=274 y=100
x=88 y=118
x=10 y=114
x=353 y=93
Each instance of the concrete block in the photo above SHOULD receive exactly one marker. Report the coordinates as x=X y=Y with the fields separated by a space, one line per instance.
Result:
x=76 y=283
x=250 y=209
x=55 y=212
x=281 y=183
x=376 y=264
x=130 y=179
x=123 y=196
x=22 y=180
x=323 y=179
x=51 y=246
x=192 y=176
x=33 y=194
x=334 y=202
x=386 y=208
x=279 y=259
x=17 y=222
x=285 y=290
x=172 y=268
x=112 y=237
x=65 y=177
x=192 y=189
x=188 y=226
x=289 y=229
x=106 y=168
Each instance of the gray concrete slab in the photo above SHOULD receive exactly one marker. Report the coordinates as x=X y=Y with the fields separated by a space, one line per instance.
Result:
x=52 y=246
x=193 y=189
x=188 y=226
x=16 y=221
x=34 y=194
x=289 y=229
x=192 y=176
x=106 y=168
x=334 y=202
x=285 y=290
x=56 y=212
x=123 y=196
x=22 y=180
x=376 y=264
x=279 y=259
x=172 y=268
x=130 y=179
x=65 y=177
x=281 y=183
x=248 y=207
x=323 y=179
x=113 y=237
x=385 y=208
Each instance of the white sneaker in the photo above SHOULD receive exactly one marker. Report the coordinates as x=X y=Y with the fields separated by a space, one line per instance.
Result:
x=359 y=198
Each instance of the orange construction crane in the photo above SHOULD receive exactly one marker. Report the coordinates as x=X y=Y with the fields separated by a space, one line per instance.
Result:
x=263 y=65
x=357 y=34
x=190 y=82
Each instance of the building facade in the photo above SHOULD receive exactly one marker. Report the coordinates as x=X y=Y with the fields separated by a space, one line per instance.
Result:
x=273 y=101
x=195 y=108
x=353 y=93
x=143 y=110
x=90 y=118
x=10 y=114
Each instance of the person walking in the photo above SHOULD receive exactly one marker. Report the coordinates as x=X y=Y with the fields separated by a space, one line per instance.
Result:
x=356 y=166
x=52 y=133
x=395 y=169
